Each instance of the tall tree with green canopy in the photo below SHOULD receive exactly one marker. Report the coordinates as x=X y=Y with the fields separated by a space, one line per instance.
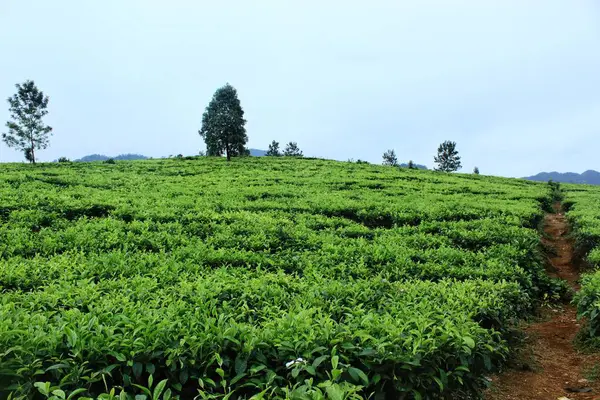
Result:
x=447 y=159
x=26 y=130
x=223 y=123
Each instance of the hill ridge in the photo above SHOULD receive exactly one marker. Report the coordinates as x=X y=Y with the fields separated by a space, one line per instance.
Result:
x=589 y=176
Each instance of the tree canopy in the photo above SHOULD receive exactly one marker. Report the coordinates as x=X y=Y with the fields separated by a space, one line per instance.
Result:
x=447 y=158
x=223 y=123
x=389 y=158
x=273 y=149
x=292 y=150
x=26 y=129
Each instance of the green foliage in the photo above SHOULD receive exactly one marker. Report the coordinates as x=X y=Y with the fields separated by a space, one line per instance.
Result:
x=588 y=306
x=261 y=278
x=389 y=158
x=292 y=150
x=26 y=130
x=582 y=203
x=555 y=191
x=109 y=161
x=63 y=160
x=29 y=154
x=223 y=123
x=411 y=165
x=274 y=149
x=447 y=158
x=476 y=171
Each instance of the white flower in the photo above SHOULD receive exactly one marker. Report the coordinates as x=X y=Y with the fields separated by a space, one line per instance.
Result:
x=298 y=360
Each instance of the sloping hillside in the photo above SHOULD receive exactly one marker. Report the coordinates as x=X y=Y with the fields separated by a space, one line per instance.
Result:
x=263 y=275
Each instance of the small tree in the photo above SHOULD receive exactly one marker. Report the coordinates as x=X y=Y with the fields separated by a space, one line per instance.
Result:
x=223 y=124
x=411 y=165
x=63 y=160
x=447 y=159
x=476 y=171
x=389 y=158
x=26 y=130
x=292 y=150
x=273 y=149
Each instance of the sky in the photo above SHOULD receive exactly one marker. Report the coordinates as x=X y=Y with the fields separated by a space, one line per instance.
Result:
x=516 y=84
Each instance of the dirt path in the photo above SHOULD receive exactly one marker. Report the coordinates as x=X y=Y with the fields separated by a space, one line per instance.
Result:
x=558 y=369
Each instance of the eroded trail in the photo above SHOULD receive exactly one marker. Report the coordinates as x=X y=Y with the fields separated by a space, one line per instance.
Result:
x=558 y=369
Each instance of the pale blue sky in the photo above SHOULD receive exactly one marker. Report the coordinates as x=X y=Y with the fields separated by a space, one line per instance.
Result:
x=515 y=83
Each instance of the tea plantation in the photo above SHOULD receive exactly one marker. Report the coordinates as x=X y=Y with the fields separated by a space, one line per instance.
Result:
x=261 y=278
x=583 y=205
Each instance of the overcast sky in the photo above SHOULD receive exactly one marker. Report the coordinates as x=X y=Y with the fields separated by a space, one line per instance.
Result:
x=515 y=83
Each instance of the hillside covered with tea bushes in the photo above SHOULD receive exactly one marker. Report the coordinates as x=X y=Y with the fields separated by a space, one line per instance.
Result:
x=261 y=278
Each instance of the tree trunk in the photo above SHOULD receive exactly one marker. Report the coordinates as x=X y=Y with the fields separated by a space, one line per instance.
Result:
x=227 y=153
x=32 y=151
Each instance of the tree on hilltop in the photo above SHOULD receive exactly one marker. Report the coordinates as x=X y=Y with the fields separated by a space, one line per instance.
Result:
x=223 y=123
x=447 y=158
x=26 y=130
x=273 y=149
x=389 y=158
x=292 y=150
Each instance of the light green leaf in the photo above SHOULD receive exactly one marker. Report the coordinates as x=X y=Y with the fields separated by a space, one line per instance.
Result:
x=159 y=389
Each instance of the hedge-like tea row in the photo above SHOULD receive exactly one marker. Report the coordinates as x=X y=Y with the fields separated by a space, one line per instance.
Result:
x=280 y=278
x=583 y=204
x=399 y=334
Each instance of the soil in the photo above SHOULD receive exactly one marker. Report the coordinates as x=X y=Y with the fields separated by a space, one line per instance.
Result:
x=553 y=368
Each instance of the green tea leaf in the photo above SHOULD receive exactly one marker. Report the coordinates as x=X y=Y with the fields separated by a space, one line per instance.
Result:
x=160 y=386
x=358 y=375
x=137 y=369
x=469 y=342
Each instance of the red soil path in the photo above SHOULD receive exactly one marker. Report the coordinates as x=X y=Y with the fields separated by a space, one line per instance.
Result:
x=558 y=369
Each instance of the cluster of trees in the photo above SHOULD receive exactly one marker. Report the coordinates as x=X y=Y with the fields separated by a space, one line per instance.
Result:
x=223 y=130
x=447 y=158
x=291 y=150
x=389 y=158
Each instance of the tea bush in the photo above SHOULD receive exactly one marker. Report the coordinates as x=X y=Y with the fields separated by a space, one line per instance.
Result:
x=261 y=278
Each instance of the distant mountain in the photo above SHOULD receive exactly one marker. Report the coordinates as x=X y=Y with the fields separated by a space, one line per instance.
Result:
x=257 y=152
x=130 y=157
x=93 y=157
x=419 y=166
x=590 y=177
x=102 y=157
